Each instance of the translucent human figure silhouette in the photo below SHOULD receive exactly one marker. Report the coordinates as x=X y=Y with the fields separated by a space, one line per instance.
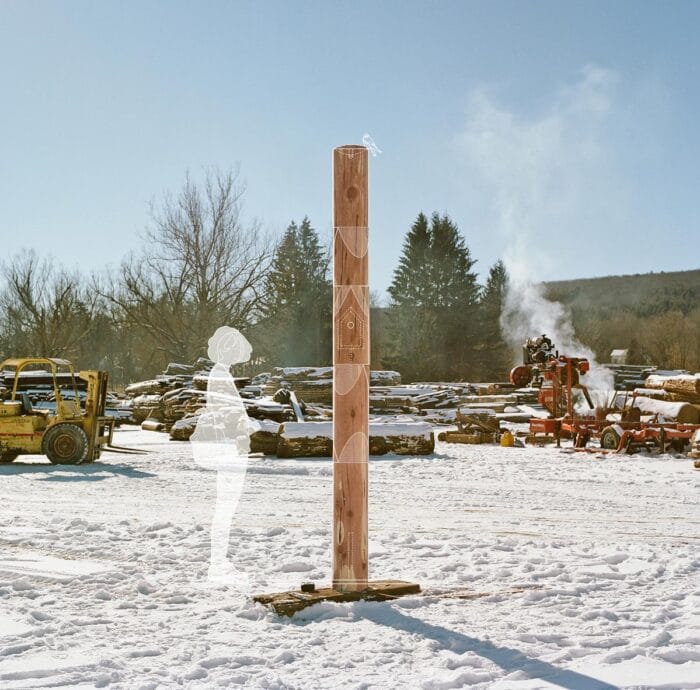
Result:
x=221 y=442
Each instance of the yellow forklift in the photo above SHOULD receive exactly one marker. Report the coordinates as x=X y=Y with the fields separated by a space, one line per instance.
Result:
x=69 y=435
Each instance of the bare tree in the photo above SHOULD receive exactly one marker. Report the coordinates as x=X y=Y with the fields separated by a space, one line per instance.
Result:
x=200 y=268
x=45 y=309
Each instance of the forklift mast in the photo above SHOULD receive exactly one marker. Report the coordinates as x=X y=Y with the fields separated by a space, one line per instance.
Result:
x=97 y=426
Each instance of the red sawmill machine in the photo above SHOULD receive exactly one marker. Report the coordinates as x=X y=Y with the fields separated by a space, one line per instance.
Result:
x=561 y=393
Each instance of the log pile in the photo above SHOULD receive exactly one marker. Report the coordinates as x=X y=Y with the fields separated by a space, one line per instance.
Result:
x=311 y=384
x=182 y=429
x=176 y=393
x=315 y=384
x=147 y=406
x=266 y=438
x=315 y=439
x=438 y=403
x=679 y=388
x=662 y=410
x=176 y=399
x=180 y=402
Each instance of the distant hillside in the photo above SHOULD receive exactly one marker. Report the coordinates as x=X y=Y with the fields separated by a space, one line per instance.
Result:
x=644 y=294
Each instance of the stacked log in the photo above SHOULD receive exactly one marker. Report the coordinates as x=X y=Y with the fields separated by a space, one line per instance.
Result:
x=182 y=429
x=265 y=439
x=680 y=388
x=156 y=386
x=315 y=384
x=147 y=406
x=384 y=378
x=433 y=401
x=311 y=384
x=177 y=392
x=681 y=412
x=493 y=388
x=177 y=369
x=627 y=377
x=264 y=408
x=315 y=439
x=180 y=402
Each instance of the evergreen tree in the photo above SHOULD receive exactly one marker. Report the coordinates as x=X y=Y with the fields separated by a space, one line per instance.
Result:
x=296 y=326
x=496 y=357
x=409 y=287
x=408 y=320
x=315 y=298
x=434 y=298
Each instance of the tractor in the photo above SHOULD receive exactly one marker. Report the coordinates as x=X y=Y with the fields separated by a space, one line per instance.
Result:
x=69 y=435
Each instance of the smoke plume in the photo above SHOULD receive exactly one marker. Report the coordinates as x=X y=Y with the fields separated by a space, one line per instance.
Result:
x=543 y=174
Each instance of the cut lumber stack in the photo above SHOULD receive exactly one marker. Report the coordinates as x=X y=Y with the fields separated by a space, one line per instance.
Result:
x=493 y=388
x=627 y=377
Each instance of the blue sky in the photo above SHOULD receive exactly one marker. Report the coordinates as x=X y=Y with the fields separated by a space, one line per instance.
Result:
x=563 y=136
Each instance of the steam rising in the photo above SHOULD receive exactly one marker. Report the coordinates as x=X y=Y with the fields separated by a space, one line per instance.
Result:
x=539 y=173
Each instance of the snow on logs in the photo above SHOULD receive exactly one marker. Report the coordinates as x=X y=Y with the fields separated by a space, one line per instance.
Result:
x=315 y=384
x=315 y=439
x=681 y=412
x=680 y=388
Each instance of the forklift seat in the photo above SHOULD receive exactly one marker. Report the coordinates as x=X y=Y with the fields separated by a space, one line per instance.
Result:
x=27 y=407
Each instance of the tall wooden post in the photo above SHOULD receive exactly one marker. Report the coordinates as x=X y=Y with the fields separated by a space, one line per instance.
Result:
x=350 y=400
x=350 y=367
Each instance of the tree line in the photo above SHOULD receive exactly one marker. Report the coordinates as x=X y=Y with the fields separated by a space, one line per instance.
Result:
x=200 y=266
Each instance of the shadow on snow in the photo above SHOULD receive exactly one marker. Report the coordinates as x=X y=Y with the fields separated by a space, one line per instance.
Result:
x=93 y=472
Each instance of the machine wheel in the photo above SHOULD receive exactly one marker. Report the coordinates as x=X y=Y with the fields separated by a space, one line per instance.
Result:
x=609 y=438
x=520 y=376
x=8 y=457
x=65 y=444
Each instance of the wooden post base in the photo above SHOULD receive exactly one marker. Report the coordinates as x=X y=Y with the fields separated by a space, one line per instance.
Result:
x=288 y=603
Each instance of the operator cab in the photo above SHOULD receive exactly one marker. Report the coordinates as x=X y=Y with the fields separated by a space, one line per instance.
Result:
x=39 y=379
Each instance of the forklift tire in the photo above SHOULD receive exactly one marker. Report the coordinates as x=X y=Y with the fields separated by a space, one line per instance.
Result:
x=7 y=458
x=65 y=444
x=609 y=438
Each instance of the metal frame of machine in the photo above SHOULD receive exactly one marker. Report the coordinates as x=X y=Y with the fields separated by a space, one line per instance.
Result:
x=558 y=376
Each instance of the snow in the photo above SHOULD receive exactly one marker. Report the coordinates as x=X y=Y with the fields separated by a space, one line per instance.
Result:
x=540 y=568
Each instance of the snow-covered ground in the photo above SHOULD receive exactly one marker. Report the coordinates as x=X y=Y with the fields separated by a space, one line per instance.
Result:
x=102 y=570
